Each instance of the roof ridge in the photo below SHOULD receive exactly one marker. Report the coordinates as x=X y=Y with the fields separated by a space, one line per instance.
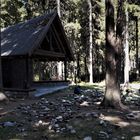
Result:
x=30 y=21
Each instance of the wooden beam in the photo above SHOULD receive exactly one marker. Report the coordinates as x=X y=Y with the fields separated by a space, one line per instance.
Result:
x=19 y=90
x=26 y=83
x=64 y=36
x=43 y=33
x=61 y=44
x=49 y=53
x=58 y=44
x=50 y=42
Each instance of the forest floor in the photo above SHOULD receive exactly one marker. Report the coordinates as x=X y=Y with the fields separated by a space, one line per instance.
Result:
x=67 y=116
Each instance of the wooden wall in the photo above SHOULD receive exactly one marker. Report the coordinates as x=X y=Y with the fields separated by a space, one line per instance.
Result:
x=16 y=73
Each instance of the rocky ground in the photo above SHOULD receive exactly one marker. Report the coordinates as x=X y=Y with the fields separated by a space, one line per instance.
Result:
x=68 y=116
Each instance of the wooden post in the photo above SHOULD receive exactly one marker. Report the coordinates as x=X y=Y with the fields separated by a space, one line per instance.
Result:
x=1 y=85
x=27 y=83
x=65 y=69
x=50 y=33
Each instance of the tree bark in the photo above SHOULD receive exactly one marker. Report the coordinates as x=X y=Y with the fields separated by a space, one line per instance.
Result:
x=113 y=52
x=90 y=43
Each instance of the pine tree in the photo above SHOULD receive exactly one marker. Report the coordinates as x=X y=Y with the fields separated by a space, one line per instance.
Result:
x=90 y=43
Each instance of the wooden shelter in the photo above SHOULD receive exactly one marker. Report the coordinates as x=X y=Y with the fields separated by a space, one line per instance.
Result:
x=41 y=38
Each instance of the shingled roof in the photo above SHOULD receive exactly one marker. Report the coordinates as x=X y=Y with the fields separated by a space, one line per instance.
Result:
x=24 y=38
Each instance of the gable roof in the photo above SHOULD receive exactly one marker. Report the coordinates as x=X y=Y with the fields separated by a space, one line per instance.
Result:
x=24 y=38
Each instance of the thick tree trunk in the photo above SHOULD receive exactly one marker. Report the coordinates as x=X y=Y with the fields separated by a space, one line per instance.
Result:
x=113 y=52
x=90 y=43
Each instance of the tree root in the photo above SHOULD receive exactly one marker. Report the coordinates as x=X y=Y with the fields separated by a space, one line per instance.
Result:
x=114 y=105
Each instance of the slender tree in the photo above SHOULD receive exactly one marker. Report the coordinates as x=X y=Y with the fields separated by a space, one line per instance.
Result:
x=59 y=66
x=137 y=49
x=90 y=42
x=58 y=7
x=126 y=51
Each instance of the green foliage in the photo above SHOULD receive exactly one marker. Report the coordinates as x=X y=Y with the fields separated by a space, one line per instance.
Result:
x=11 y=12
x=134 y=9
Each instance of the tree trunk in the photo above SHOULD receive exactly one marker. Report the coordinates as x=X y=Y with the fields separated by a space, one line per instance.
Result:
x=78 y=66
x=90 y=43
x=59 y=65
x=113 y=50
x=126 y=51
x=58 y=7
x=137 y=50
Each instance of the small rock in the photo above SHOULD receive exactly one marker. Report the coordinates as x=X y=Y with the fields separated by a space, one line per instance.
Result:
x=84 y=103
x=63 y=129
x=136 y=138
x=103 y=123
x=47 y=109
x=88 y=138
x=130 y=116
x=50 y=127
x=69 y=127
x=123 y=138
x=21 y=129
x=40 y=122
x=59 y=118
x=9 y=124
x=57 y=131
x=46 y=102
x=42 y=99
x=73 y=131
x=103 y=135
x=56 y=125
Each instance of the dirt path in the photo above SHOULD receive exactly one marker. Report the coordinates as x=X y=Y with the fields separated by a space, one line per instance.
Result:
x=6 y=108
x=68 y=116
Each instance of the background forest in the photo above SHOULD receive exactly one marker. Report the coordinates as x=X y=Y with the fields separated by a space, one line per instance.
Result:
x=89 y=64
x=105 y=38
